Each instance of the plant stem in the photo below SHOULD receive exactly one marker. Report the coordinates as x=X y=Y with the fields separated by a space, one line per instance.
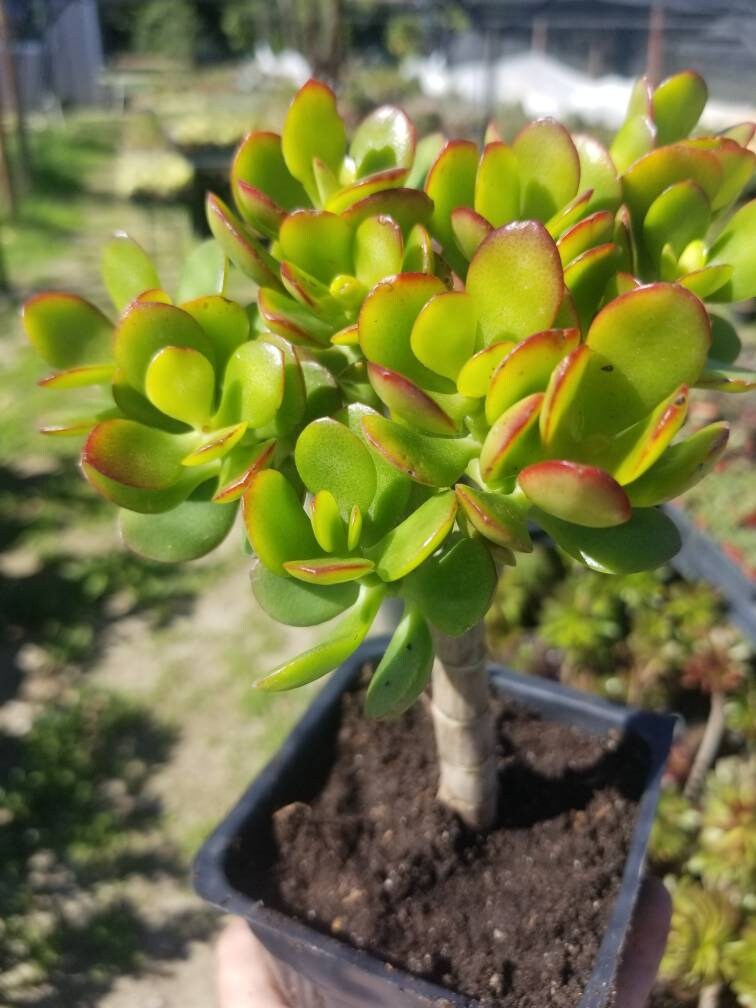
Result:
x=464 y=728
x=709 y=996
x=708 y=747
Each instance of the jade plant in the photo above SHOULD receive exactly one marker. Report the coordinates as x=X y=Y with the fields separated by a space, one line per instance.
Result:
x=440 y=348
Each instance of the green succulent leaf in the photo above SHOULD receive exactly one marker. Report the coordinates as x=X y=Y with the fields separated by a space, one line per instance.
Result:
x=277 y=526
x=512 y=442
x=181 y=383
x=548 y=166
x=515 y=282
x=527 y=368
x=253 y=385
x=405 y=547
x=433 y=461
x=67 y=331
x=497 y=185
x=495 y=517
x=378 y=250
x=404 y=670
x=648 y=540
x=409 y=403
x=384 y=139
x=736 y=246
x=297 y=603
x=188 y=531
x=329 y=570
x=451 y=184
x=726 y=377
x=680 y=467
x=586 y=279
x=392 y=487
x=656 y=171
x=224 y=322
x=452 y=314
x=327 y=523
x=475 y=375
x=343 y=641
x=587 y=233
x=318 y=242
x=127 y=270
x=204 y=272
x=330 y=457
x=680 y=215
x=465 y=563
x=598 y=174
x=725 y=342
x=292 y=320
x=470 y=230
x=313 y=129
x=677 y=104
x=239 y=244
x=147 y=327
x=408 y=207
x=580 y=494
x=215 y=445
x=419 y=256
x=263 y=188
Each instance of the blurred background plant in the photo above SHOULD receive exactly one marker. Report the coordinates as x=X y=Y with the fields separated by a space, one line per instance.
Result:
x=124 y=699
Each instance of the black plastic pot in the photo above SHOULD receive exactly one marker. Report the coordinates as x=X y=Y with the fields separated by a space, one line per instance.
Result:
x=320 y=971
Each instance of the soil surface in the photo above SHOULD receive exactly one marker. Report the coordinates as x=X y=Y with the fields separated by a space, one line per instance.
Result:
x=511 y=919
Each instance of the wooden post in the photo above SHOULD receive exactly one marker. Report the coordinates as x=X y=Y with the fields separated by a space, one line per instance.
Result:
x=655 y=48
x=15 y=98
x=7 y=184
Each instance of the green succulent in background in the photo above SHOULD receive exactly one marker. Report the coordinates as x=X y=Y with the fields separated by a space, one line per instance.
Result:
x=726 y=855
x=675 y=829
x=703 y=923
x=739 y=965
x=740 y=713
x=444 y=347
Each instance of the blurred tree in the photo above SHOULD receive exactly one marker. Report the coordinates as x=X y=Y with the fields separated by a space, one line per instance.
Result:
x=404 y=35
x=166 y=27
x=247 y=23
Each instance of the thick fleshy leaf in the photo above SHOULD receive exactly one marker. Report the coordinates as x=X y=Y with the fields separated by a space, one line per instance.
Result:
x=323 y=394
x=378 y=250
x=474 y=377
x=409 y=403
x=312 y=294
x=354 y=527
x=736 y=245
x=330 y=457
x=407 y=545
x=646 y=344
x=637 y=134
x=647 y=179
x=741 y=133
x=432 y=461
x=342 y=641
x=238 y=468
x=586 y=278
x=637 y=448
x=495 y=517
x=443 y=334
x=327 y=524
x=136 y=406
x=737 y=164
x=593 y=230
x=570 y=215
x=138 y=456
x=204 y=272
x=681 y=466
x=598 y=174
x=515 y=281
x=181 y=383
x=384 y=139
x=277 y=526
x=253 y=385
x=263 y=187
x=225 y=322
x=293 y=404
x=676 y=217
x=127 y=270
x=292 y=320
x=497 y=185
x=706 y=282
x=144 y=500
x=418 y=252
x=559 y=421
x=677 y=104
x=727 y=377
x=648 y=540
x=67 y=331
x=512 y=442
x=465 y=563
x=386 y=321
x=407 y=207
x=215 y=445
x=451 y=184
x=392 y=488
x=341 y=199
x=404 y=670
x=470 y=230
x=725 y=342
x=79 y=377
x=527 y=368
x=427 y=150
x=145 y=328
x=581 y=494
x=329 y=570
x=296 y=603
x=313 y=129
x=548 y=167
x=190 y=530
x=239 y=244
x=318 y=242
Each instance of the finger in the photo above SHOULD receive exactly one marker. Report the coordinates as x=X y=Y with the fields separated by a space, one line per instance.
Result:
x=645 y=945
x=244 y=978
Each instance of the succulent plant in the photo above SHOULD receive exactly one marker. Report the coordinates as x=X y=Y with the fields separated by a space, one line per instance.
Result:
x=443 y=347
x=726 y=855
x=675 y=828
x=703 y=923
x=739 y=965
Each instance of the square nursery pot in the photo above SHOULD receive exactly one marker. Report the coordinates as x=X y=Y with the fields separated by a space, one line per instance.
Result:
x=321 y=972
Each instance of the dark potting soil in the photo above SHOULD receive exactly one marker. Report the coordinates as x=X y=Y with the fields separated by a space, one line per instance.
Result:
x=513 y=918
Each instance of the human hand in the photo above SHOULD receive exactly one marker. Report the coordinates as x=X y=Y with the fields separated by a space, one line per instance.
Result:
x=245 y=979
